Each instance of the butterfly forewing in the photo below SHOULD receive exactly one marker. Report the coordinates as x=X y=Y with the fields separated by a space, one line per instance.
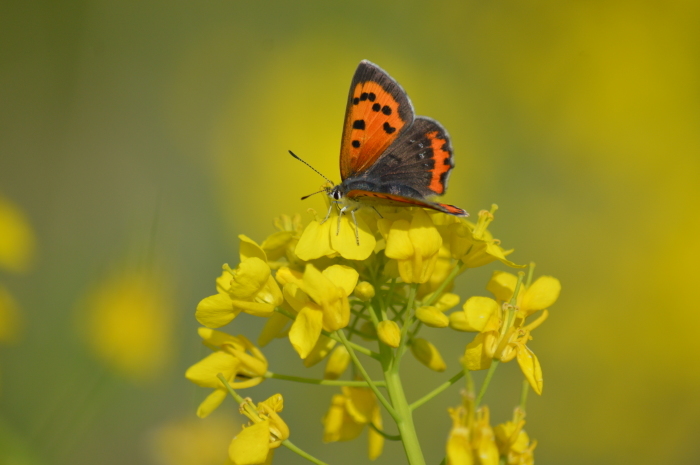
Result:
x=391 y=200
x=378 y=112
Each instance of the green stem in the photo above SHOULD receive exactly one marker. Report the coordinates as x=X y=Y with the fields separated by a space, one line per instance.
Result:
x=523 y=394
x=383 y=434
x=365 y=375
x=286 y=443
x=489 y=375
x=436 y=391
x=322 y=382
x=407 y=322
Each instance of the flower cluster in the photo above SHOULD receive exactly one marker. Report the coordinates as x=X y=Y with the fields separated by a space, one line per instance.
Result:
x=330 y=296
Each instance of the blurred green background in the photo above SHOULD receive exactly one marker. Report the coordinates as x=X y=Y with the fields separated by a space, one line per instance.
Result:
x=137 y=139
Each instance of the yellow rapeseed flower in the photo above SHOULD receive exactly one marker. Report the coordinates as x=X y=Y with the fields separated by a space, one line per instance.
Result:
x=255 y=443
x=349 y=413
x=471 y=439
x=513 y=442
x=242 y=364
x=321 y=302
x=127 y=321
x=330 y=238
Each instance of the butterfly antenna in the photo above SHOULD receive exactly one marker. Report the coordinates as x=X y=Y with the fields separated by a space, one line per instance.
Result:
x=307 y=196
x=319 y=173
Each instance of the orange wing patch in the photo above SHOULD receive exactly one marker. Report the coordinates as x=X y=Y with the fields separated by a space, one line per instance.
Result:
x=443 y=162
x=372 y=124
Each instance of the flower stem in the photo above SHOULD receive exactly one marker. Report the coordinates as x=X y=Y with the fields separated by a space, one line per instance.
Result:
x=322 y=382
x=383 y=434
x=436 y=391
x=489 y=375
x=453 y=274
x=365 y=375
x=286 y=443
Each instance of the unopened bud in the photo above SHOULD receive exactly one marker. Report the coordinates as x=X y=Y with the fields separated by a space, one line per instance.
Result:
x=364 y=291
x=427 y=354
x=432 y=317
x=389 y=333
x=337 y=363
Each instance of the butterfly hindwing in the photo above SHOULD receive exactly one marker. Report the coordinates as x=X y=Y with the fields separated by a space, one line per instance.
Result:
x=380 y=198
x=419 y=161
x=378 y=111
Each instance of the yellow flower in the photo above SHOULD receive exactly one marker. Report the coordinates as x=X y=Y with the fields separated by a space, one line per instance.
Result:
x=434 y=315
x=330 y=238
x=349 y=413
x=337 y=363
x=503 y=334
x=414 y=244
x=253 y=445
x=364 y=291
x=474 y=245
x=283 y=242
x=242 y=364
x=513 y=442
x=190 y=441
x=321 y=302
x=389 y=333
x=471 y=439
x=127 y=321
x=16 y=238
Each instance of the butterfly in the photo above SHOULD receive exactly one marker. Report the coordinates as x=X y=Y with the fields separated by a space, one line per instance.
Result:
x=388 y=156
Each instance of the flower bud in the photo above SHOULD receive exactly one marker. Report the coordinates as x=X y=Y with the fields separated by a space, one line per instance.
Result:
x=364 y=291
x=458 y=321
x=432 y=317
x=427 y=354
x=389 y=333
x=337 y=363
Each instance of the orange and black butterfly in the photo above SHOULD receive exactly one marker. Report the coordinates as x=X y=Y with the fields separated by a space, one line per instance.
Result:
x=389 y=156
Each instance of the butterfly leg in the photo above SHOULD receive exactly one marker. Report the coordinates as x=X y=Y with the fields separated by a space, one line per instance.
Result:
x=380 y=215
x=340 y=215
x=354 y=220
x=328 y=215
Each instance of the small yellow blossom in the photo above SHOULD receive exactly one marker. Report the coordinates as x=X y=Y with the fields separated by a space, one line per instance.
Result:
x=321 y=302
x=242 y=364
x=471 y=439
x=431 y=316
x=254 y=444
x=324 y=239
x=414 y=244
x=513 y=442
x=426 y=353
x=474 y=245
x=282 y=243
x=349 y=413
x=389 y=333
x=127 y=321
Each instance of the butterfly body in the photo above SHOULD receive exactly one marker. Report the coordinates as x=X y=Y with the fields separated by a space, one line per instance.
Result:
x=389 y=156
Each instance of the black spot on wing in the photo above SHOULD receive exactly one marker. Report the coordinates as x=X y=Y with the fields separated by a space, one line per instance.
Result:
x=359 y=124
x=372 y=97
x=376 y=107
x=388 y=128
x=386 y=110
x=356 y=144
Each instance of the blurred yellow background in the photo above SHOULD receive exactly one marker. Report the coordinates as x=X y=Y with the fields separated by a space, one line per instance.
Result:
x=137 y=139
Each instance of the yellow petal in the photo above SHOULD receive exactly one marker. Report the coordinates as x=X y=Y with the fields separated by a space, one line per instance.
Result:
x=295 y=297
x=375 y=440
x=360 y=404
x=343 y=277
x=541 y=294
x=424 y=235
x=502 y=285
x=446 y=301
x=478 y=311
x=248 y=248
x=458 y=321
x=345 y=242
x=223 y=282
x=250 y=276
x=286 y=275
x=275 y=245
x=216 y=339
x=315 y=241
x=216 y=311
x=253 y=308
x=338 y=425
x=432 y=317
x=398 y=243
x=427 y=354
x=274 y=327
x=305 y=331
x=251 y=446
x=389 y=333
x=211 y=403
x=318 y=287
x=204 y=373
x=459 y=450
x=475 y=355
x=321 y=349
x=337 y=363
x=530 y=367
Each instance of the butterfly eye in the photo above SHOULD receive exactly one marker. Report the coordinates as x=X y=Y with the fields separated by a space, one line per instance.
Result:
x=336 y=195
